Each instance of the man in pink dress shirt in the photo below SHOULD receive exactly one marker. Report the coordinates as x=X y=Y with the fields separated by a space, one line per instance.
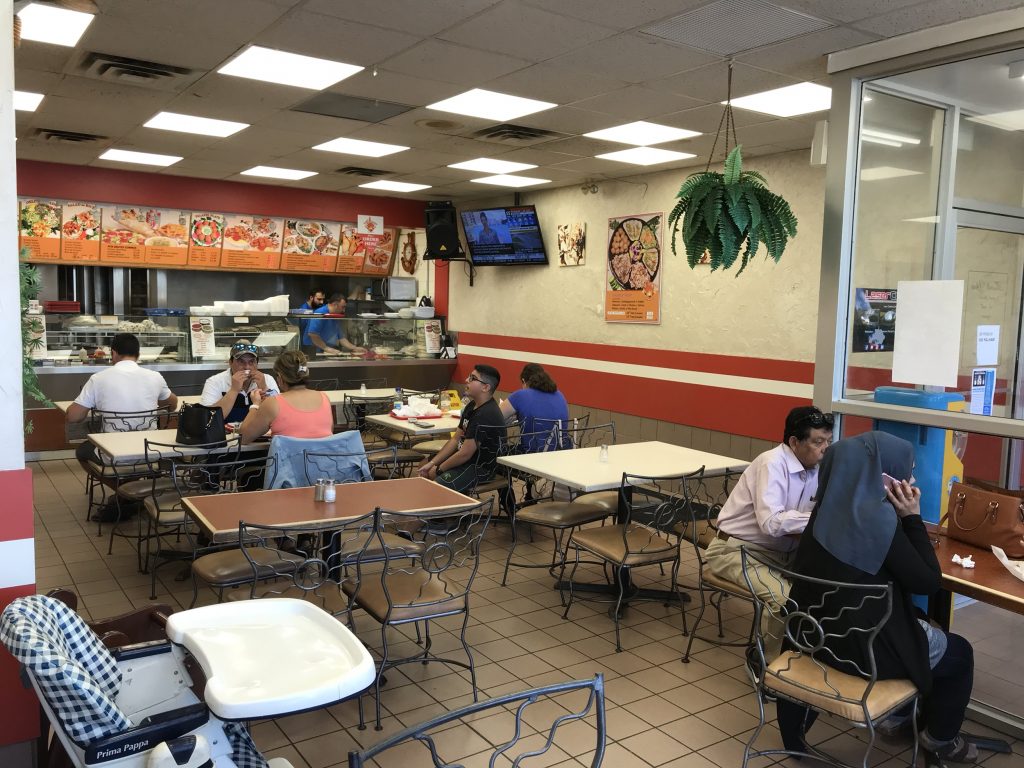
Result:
x=772 y=501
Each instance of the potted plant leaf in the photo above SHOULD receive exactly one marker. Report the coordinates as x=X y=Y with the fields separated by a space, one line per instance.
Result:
x=722 y=213
x=31 y=328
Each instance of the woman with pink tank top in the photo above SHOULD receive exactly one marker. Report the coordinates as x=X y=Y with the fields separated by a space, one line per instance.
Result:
x=296 y=412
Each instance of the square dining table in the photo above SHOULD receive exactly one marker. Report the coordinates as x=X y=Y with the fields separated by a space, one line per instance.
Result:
x=436 y=426
x=219 y=515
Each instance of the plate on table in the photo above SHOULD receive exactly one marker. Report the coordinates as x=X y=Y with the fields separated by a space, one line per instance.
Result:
x=392 y=315
x=368 y=314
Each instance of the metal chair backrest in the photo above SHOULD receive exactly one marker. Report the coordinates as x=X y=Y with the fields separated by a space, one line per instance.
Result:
x=492 y=441
x=210 y=478
x=552 y=710
x=377 y=383
x=563 y=425
x=159 y=456
x=323 y=385
x=355 y=409
x=709 y=496
x=337 y=466
x=833 y=628
x=657 y=510
x=587 y=437
x=436 y=570
x=128 y=421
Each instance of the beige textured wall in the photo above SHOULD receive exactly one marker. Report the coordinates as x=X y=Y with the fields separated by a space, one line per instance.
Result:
x=770 y=311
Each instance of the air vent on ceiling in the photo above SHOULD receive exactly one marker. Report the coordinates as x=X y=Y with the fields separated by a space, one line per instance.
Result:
x=728 y=27
x=514 y=134
x=350 y=107
x=71 y=137
x=355 y=170
x=121 y=69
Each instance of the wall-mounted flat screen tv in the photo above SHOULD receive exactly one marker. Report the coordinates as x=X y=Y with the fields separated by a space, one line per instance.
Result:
x=504 y=236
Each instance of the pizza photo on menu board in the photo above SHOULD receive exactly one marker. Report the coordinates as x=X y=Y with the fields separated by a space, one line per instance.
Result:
x=205 y=238
x=310 y=246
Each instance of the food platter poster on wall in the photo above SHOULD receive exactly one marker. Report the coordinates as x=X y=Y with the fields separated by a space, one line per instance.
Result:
x=40 y=229
x=205 y=239
x=633 y=274
x=252 y=242
x=310 y=246
x=80 y=232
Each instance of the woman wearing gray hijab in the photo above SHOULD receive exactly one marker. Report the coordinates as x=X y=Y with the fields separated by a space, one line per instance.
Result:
x=868 y=530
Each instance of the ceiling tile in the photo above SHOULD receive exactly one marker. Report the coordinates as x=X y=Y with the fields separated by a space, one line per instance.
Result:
x=844 y=10
x=201 y=47
x=36 y=80
x=930 y=14
x=549 y=82
x=165 y=142
x=568 y=120
x=707 y=119
x=615 y=13
x=633 y=58
x=317 y=128
x=454 y=63
x=84 y=116
x=314 y=34
x=396 y=87
x=525 y=32
x=419 y=18
x=236 y=98
x=711 y=83
x=636 y=103
x=42 y=57
x=54 y=152
x=805 y=57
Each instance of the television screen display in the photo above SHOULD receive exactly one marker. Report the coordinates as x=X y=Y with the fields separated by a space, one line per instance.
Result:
x=504 y=236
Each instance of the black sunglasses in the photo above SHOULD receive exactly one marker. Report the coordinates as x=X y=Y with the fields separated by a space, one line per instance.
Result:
x=471 y=377
x=817 y=420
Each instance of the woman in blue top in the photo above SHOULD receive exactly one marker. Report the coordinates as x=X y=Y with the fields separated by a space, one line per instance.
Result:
x=538 y=399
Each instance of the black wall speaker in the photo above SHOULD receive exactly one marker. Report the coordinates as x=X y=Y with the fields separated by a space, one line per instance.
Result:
x=442 y=232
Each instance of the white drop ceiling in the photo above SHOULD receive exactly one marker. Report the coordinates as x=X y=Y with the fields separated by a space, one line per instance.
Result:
x=591 y=57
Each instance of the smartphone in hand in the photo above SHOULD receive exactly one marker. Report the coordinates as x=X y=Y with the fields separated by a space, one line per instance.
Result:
x=888 y=481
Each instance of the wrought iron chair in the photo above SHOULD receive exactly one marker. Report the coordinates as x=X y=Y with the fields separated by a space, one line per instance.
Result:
x=510 y=712
x=337 y=466
x=813 y=670
x=374 y=383
x=421 y=581
x=323 y=385
x=650 y=534
x=564 y=515
x=700 y=530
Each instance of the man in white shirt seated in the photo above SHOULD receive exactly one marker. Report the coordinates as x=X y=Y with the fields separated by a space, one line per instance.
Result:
x=231 y=390
x=124 y=387
x=772 y=501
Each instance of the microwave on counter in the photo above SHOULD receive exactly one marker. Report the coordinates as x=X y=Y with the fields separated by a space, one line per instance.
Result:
x=395 y=289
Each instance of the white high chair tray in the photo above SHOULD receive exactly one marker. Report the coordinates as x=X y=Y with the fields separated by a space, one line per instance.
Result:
x=270 y=657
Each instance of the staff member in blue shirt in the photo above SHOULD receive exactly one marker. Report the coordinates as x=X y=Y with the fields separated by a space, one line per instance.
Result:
x=326 y=334
x=314 y=301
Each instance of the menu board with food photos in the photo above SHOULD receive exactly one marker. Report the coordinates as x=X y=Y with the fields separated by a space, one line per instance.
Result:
x=80 y=232
x=39 y=229
x=131 y=235
x=310 y=246
x=205 y=238
x=252 y=242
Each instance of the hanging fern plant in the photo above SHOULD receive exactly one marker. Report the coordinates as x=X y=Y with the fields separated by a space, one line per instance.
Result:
x=721 y=213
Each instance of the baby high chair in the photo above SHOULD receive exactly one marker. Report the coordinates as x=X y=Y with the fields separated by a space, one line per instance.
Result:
x=133 y=707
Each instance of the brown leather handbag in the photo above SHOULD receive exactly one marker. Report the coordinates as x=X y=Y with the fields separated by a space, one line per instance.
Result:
x=984 y=515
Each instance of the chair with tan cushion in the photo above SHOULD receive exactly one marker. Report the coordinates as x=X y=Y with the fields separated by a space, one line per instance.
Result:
x=699 y=531
x=816 y=669
x=648 y=534
x=421 y=581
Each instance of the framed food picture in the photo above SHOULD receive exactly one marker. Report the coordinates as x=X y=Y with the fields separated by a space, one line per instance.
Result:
x=310 y=246
x=205 y=239
x=379 y=251
x=39 y=228
x=252 y=242
x=572 y=244
x=634 y=268
x=80 y=232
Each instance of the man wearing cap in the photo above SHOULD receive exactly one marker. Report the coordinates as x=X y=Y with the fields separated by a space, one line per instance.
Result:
x=231 y=390
x=772 y=501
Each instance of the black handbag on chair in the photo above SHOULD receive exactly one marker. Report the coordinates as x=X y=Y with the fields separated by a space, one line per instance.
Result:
x=199 y=425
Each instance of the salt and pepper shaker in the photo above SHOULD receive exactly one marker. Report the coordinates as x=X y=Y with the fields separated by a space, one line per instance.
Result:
x=319 y=490
x=602 y=456
x=362 y=389
x=329 y=492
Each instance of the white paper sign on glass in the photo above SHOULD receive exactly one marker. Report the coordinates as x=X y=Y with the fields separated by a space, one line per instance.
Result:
x=983 y=390
x=927 y=346
x=988 y=345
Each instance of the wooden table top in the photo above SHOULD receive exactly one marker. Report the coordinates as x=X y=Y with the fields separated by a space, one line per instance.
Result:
x=219 y=515
x=580 y=468
x=988 y=582
x=442 y=425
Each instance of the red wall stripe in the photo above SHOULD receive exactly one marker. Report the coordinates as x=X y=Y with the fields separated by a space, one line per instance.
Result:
x=16 y=491
x=18 y=705
x=754 y=367
x=82 y=182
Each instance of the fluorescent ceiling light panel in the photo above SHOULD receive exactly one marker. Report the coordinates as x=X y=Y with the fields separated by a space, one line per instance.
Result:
x=876 y=140
x=491 y=105
x=645 y=156
x=642 y=133
x=269 y=172
x=889 y=136
x=926 y=219
x=48 y=24
x=206 y=126
x=486 y=165
x=394 y=186
x=258 y=63
x=358 y=147
x=143 y=158
x=1008 y=121
x=799 y=99
x=503 y=180
x=886 y=172
x=25 y=101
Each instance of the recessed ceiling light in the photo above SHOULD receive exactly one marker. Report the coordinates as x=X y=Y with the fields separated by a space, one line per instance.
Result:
x=26 y=101
x=504 y=180
x=270 y=172
x=1008 y=121
x=645 y=156
x=799 y=99
x=889 y=136
x=491 y=105
x=876 y=140
x=394 y=186
x=144 y=158
x=258 y=63
x=642 y=133
x=358 y=147
x=172 y=121
x=886 y=172
x=486 y=165
x=47 y=24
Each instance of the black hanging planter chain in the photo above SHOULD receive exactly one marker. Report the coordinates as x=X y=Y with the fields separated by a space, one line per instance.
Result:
x=727 y=121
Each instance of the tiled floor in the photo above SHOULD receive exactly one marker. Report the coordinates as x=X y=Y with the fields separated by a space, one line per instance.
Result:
x=661 y=712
